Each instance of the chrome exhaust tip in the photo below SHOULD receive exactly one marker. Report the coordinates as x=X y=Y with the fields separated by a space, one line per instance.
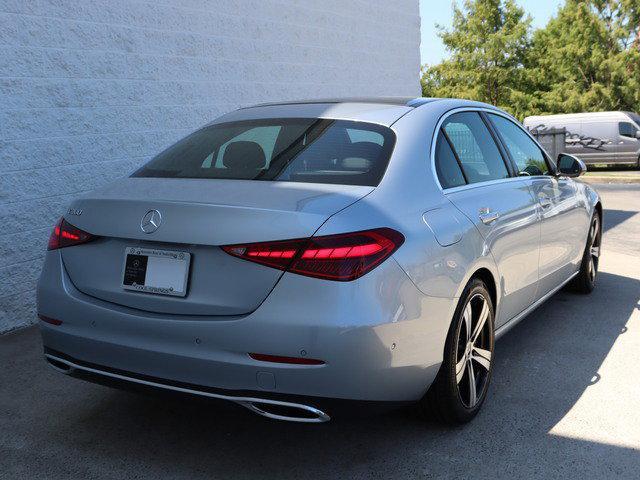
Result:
x=59 y=366
x=278 y=410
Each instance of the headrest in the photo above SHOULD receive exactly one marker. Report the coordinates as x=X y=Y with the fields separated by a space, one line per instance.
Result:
x=360 y=155
x=243 y=155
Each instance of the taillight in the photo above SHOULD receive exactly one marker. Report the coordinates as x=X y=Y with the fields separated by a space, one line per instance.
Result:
x=66 y=235
x=341 y=257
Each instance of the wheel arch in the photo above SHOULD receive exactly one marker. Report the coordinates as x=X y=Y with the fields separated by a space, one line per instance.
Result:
x=598 y=208
x=488 y=273
x=487 y=277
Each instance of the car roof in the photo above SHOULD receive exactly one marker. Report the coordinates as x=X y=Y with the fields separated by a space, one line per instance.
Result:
x=400 y=101
x=380 y=110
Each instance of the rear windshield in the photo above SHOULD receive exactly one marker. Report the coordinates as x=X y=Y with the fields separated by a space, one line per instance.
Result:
x=291 y=150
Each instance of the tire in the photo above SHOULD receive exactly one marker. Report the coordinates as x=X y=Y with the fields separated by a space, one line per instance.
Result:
x=585 y=281
x=450 y=398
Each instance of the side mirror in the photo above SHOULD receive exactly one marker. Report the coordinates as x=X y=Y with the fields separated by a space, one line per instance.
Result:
x=570 y=166
x=637 y=135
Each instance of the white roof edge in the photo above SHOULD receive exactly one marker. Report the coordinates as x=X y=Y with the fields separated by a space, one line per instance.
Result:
x=612 y=114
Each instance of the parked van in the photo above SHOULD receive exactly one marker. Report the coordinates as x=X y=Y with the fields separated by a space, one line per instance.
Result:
x=599 y=137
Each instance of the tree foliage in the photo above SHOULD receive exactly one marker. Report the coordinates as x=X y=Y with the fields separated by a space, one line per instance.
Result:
x=587 y=58
x=488 y=42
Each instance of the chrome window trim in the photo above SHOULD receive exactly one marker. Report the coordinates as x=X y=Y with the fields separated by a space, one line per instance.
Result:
x=477 y=184
x=471 y=186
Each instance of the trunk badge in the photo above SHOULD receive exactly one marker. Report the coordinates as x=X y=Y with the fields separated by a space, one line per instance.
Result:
x=151 y=221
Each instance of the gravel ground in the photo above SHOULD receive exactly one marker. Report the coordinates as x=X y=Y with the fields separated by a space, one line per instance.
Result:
x=563 y=404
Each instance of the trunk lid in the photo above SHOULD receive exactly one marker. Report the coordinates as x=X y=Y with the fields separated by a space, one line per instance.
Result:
x=197 y=216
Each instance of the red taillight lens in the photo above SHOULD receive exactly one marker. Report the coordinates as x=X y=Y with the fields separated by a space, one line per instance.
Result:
x=66 y=235
x=342 y=257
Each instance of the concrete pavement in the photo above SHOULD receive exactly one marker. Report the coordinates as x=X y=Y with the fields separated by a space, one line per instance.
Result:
x=611 y=176
x=564 y=403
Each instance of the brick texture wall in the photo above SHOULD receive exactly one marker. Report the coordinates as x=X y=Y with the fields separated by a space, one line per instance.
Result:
x=89 y=90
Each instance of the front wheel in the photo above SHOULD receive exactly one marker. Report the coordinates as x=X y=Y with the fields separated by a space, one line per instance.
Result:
x=585 y=281
x=461 y=385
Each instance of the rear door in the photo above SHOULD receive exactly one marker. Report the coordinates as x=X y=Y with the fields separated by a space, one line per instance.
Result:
x=562 y=216
x=500 y=205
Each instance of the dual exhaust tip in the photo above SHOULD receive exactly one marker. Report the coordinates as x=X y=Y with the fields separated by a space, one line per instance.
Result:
x=274 y=409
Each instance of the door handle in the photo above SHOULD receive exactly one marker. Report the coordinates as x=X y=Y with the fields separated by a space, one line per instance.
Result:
x=487 y=216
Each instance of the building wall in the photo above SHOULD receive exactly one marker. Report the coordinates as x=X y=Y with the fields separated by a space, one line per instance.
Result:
x=89 y=90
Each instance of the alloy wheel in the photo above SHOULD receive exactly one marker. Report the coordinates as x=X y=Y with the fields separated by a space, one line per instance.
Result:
x=474 y=351
x=594 y=249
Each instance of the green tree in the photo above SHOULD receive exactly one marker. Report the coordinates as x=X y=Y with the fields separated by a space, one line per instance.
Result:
x=587 y=58
x=488 y=42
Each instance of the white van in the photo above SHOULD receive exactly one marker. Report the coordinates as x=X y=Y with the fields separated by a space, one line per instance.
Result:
x=599 y=137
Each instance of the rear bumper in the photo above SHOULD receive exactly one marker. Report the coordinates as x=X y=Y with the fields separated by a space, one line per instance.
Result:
x=278 y=406
x=380 y=338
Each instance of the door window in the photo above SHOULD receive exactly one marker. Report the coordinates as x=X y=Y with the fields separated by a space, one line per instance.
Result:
x=447 y=167
x=474 y=146
x=527 y=156
x=627 y=129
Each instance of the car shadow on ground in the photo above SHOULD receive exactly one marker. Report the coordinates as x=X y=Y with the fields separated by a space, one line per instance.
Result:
x=542 y=368
x=613 y=218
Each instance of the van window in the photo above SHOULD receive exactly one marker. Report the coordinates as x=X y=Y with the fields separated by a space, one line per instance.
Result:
x=478 y=154
x=527 y=156
x=627 y=129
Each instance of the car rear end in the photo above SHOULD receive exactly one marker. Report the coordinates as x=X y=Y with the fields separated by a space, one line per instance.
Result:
x=207 y=272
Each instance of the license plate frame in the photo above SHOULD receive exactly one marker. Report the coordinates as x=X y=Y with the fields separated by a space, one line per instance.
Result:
x=159 y=272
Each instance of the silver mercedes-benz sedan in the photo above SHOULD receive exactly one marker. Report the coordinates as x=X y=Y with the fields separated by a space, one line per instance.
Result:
x=289 y=255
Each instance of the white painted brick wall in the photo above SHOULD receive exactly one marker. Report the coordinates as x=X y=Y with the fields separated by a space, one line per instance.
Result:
x=89 y=90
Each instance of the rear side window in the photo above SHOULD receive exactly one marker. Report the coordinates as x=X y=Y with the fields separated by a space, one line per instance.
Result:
x=527 y=156
x=293 y=150
x=479 y=156
x=447 y=167
x=627 y=129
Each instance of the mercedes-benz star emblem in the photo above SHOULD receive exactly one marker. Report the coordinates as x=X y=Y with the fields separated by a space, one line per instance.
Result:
x=151 y=221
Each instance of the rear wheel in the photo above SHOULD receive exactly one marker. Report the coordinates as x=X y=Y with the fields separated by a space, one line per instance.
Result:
x=461 y=385
x=585 y=281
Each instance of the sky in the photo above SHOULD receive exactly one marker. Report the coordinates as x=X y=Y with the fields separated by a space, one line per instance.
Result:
x=440 y=12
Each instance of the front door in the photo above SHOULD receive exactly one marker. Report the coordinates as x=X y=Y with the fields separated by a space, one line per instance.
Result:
x=562 y=220
x=563 y=227
x=628 y=144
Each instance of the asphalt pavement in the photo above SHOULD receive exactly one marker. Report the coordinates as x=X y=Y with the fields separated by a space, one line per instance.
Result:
x=564 y=403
